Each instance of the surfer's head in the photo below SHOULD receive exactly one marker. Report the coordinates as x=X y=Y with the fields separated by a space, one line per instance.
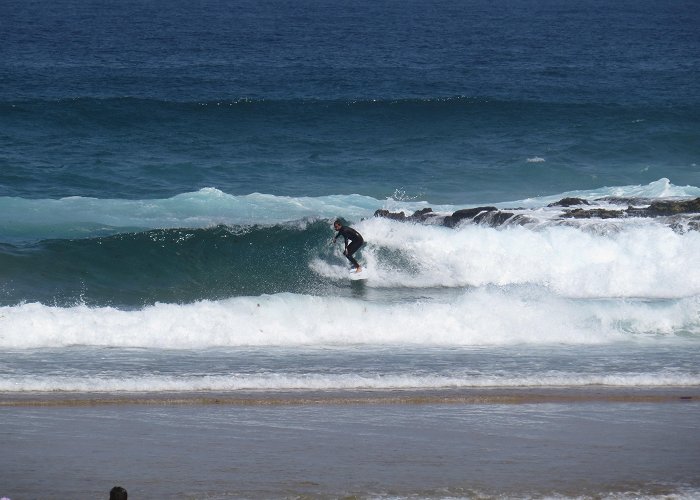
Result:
x=337 y=224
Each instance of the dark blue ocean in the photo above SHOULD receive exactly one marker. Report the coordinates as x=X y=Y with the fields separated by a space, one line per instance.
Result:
x=445 y=100
x=170 y=171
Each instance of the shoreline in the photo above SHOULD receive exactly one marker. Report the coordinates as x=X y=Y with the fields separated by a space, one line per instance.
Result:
x=459 y=443
x=470 y=396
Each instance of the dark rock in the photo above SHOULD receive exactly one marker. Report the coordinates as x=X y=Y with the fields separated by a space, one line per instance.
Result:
x=521 y=220
x=466 y=213
x=596 y=213
x=659 y=208
x=666 y=208
x=638 y=212
x=492 y=218
x=569 y=202
x=422 y=211
x=423 y=214
x=618 y=200
x=418 y=216
x=390 y=215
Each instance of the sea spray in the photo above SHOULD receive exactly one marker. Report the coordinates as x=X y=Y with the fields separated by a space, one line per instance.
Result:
x=646 y=260
x=481 y=317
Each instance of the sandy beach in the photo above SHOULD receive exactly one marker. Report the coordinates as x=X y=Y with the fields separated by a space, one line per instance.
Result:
x=472 y=396
x=505 y=443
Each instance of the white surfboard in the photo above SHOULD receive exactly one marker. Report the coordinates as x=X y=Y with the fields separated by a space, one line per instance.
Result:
x=361 y=275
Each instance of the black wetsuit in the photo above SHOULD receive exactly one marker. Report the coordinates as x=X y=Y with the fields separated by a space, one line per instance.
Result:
x=356 y=242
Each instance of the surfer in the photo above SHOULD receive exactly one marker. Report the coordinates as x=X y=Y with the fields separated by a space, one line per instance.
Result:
x=355 y=239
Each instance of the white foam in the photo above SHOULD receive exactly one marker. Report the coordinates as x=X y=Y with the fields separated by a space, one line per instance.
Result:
x=637 y=260
x=660 y=189
x=356 y=381
x=474 y=318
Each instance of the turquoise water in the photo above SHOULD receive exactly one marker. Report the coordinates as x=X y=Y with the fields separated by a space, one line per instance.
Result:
x=168 y=182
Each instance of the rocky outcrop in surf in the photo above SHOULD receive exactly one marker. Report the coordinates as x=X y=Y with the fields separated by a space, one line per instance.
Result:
x=584 y=209
x=479 y=215
x=654 y=209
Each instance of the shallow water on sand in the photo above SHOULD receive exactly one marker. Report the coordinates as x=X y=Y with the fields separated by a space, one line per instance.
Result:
x=588 y=449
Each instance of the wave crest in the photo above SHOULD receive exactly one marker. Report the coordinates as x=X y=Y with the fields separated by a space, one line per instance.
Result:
x=476 y=318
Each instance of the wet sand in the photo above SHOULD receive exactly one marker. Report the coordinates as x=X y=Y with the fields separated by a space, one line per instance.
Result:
x=504 y=443
x=471 y=396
